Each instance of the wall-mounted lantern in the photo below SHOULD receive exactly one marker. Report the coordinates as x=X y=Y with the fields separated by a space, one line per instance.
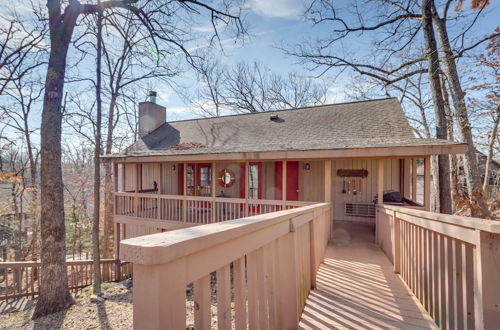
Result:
x=174 y=167
x=307 y=166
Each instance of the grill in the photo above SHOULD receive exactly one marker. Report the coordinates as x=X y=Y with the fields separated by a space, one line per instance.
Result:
x=360 y=210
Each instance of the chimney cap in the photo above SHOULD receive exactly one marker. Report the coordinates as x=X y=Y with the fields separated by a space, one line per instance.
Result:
x=152 y=96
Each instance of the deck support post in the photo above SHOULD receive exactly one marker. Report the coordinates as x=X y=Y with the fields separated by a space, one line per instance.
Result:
x=328 y=180
x=247 y=186
x=184 y=191
x=406 y=178
x=288 y=295
x=380 y=192
x=283 y=183
x=396 y=245
x=414 y=179
x=486 y=274
x=137 y=182
x=427 y=183
x=153 y=309
x=213 y=181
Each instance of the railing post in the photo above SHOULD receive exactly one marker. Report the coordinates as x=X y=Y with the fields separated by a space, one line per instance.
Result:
x=486 y=275
x=313 y=243
x=396 y=243
x=288 y=285
x=160 y=296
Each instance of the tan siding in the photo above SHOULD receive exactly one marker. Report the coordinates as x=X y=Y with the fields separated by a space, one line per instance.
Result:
x=150 y=173
x=368 y=185
x=170 y=179
x=234 y=190
x=130 y=175
x=312 y=182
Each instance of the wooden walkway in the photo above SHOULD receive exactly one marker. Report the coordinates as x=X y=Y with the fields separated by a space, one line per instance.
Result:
x=357 y=289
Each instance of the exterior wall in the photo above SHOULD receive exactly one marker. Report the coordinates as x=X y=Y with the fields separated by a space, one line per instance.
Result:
x=312 y=181
x=368 y=185
x=235 y=190
x=170 y=179
x=149 y=174
x=130 y=177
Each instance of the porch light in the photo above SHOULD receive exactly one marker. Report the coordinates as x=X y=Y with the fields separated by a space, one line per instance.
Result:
x=307 y=166
x=173 y=167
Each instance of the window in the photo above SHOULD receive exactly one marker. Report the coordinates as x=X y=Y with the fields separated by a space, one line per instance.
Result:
x=253 y=181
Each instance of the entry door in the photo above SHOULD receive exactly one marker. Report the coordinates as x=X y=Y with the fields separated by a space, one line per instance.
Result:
x=292 y=181
x=199 y=180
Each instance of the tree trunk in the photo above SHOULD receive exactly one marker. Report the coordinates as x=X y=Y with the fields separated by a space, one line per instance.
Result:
x=54 y=295
x=96 y=256
x=108 y=183
x=476 y=193
x=437 y=97
x=455 y=190
x=491 y=144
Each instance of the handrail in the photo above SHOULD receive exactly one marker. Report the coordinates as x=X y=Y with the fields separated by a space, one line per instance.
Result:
x=273 y=259
x=449 y=262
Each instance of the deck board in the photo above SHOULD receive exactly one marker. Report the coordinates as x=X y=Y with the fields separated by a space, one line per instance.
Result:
x=357 y=289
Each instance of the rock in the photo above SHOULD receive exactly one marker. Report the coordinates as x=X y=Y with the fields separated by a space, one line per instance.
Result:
x=96 y=299
x=128 y=284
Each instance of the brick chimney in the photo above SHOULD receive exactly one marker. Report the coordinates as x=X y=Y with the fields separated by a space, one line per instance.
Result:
x=151 y=115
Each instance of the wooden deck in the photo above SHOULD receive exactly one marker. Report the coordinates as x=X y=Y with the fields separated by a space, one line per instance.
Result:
x=357 y=288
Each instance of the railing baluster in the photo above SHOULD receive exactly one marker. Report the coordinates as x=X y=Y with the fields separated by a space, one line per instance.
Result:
x=240 y=301
x=202 y=303
x=224 y=298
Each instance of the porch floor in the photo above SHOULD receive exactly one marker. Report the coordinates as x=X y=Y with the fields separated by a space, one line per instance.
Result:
x=357 y=288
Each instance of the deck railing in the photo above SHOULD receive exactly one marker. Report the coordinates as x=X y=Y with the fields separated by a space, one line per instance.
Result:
x=451 y=263
x=195 y=209
x=256 y=272
x=22 y=278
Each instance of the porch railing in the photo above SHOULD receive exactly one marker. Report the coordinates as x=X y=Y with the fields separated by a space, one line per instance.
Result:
x=22 y=278
x=195 y=209
x=261 y=269
x=451 y=263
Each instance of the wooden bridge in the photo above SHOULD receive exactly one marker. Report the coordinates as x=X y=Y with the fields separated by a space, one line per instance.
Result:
x=292 y=268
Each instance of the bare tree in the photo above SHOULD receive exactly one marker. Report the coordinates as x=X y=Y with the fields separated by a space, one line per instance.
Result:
x=22 y=48
x=160 y=21
x=397 y=31
x=255 y=88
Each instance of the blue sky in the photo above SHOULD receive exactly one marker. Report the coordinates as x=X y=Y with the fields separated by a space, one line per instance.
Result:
x=280 y=22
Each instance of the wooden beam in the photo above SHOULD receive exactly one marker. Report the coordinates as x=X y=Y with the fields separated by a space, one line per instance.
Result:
x=414 y=167
x=427 y=183
x=160 y=184
x=328 y=180
x=406 y=177
x=361 y=153
x=380 y=183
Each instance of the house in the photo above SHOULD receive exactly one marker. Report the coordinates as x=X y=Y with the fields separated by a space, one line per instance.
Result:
x=291 y=181
x=270 y=160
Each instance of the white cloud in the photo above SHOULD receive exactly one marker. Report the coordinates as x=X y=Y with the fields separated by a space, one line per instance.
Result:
x=278 y=8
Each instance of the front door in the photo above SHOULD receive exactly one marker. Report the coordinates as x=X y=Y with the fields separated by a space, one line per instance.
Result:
x=292 y=181
x=199 y=180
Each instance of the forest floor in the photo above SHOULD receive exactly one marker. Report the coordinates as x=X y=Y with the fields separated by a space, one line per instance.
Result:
x=115 y=312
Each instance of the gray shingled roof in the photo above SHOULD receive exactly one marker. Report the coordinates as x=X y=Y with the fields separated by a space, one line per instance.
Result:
x=366 y=124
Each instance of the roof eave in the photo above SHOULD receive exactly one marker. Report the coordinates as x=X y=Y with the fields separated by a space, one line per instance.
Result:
x=368 y=152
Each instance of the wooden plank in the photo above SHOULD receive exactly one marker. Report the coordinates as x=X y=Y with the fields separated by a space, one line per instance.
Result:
x=253 y=297
x=202 y=303
x=240 y=300
x=427 y=183
x=224 y=298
